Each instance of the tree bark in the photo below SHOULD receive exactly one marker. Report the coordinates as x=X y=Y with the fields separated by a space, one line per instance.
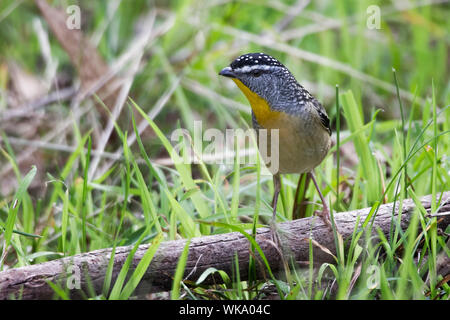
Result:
x=218 y=251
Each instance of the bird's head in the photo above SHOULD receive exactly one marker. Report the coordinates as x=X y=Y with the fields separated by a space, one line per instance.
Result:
x=261 y=74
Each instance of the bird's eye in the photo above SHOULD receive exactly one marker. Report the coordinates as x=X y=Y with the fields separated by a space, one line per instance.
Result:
x=256 y=73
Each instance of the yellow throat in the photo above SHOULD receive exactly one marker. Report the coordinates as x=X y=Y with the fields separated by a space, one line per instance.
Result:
x=264 y=115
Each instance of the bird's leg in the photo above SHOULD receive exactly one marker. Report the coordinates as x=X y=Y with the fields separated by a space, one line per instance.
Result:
x=299 y=207
x=294 y=209
x=325 y=214
x=277 y=187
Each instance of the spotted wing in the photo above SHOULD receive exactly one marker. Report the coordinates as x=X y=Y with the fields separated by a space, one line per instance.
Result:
x=323 y=116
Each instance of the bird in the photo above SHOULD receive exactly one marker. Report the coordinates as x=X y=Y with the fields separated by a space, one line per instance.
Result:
x=279 y=102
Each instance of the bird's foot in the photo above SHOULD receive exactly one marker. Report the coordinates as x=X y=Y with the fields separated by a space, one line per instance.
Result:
x=325 y=216
x=274 y=234
x=275 y=241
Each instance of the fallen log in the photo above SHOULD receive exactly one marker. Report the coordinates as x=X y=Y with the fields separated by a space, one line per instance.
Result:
x=218 y=251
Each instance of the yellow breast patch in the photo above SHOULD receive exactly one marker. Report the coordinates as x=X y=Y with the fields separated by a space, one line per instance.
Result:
x=264 y=115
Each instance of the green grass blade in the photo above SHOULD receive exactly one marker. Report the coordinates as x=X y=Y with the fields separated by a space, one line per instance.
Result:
x=141 y=268
x=354 y=120
x=119 y=284
x=84 y=197
x=179 y=272
x=10 y=221
x=338 y=145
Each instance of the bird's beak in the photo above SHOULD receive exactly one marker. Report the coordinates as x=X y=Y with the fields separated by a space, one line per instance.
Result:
x=227 y=72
